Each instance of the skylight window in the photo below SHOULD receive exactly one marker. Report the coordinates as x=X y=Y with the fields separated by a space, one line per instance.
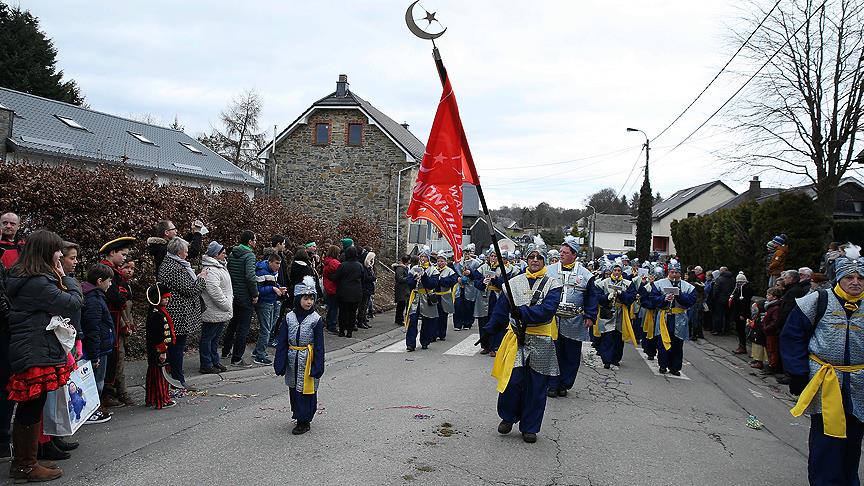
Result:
x=187 y=166
x=191 y=148
x=70 y=122
x=142 y=138
x=688 y=193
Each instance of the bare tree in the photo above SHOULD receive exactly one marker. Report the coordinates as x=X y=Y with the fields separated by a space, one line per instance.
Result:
x=239 y=140
x=802 y=113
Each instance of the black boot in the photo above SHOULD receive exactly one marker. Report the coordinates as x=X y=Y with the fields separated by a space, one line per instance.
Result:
x=301 y=428
x=50 y=452
x=64 y=445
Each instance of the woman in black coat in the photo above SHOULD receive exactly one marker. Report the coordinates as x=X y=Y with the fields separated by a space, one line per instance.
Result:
x=741 y=300
x=349 y=292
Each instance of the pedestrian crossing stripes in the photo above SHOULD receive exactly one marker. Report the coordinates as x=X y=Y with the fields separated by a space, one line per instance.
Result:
x=655 y=368
x=466 y=347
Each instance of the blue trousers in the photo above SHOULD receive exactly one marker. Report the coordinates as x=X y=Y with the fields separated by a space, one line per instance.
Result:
x=569 y=353
x=428 y=330
x=175 y=358
x=611 y=347
x=672 y=359
x=638 y=332
x=442 y=323
x=485 y=335
x=332 y=312
x=463 y=313
x=303 y=406
x=524 y=399
x=834 y=461
x=650 y=346
x=268 y=312
x=208 y=348
x=411 y=332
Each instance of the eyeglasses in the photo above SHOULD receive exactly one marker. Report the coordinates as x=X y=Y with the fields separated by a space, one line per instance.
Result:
x=534 y=257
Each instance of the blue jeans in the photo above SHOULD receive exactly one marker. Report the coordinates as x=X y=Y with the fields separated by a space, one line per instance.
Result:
x=99 y=373
x=268 y=312
x=208 y=349
x=332 y=312
x=175 y=358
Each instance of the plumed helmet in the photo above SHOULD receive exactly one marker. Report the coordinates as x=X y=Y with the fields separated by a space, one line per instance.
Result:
x=572 y=242
x=850 y=262
x=675 y=265
x=305 y=287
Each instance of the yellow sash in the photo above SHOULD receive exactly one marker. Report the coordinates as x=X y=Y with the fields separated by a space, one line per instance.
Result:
x=648 y=323
x=627 y=333
x=506 y=355
x=308 y=381
x=664 y=329
x=833 y=415
x=410 y=303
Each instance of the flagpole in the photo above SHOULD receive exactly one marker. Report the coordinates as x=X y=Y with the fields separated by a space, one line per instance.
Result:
x=442 y=74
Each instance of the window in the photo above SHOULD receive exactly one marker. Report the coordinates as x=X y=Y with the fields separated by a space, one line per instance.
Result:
x=630 y=243
x=690 y=215
x=322 y=133
x=142 y=138
x=355 y=134
x=858 y=206
x=190 y=147
x=70 y=122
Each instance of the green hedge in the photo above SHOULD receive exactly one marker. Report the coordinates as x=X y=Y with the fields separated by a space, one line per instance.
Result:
x=736 y=237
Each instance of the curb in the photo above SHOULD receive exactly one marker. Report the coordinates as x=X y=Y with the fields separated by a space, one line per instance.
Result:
x=236 y=375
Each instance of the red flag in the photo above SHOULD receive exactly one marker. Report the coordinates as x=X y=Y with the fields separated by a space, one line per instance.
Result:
x=447 y=162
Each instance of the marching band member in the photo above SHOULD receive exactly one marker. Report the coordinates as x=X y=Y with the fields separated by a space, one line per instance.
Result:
x=487 y=281
x=445 y=279
x=650 y=333
x=672 y=324
x=613 y=323
x=466 y=292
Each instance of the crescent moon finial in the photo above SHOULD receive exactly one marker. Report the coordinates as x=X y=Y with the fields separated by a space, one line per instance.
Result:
x=415 y=29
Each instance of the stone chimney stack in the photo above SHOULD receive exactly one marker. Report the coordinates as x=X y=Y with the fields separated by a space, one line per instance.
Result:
x=755 y=191
x=342 y=85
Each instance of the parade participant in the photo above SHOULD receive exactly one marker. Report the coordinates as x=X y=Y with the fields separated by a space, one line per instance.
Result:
x=427 y=299
x=159 y=335
x=300 y=354
x=554 y=257
x=415 y=274
x=445 y=279
x=613 y=325
x=821 y=347
x=488 y=283
x=649 y=313
x=523 y=368
x=118 y=297
x=626 y=270
x=576 y=313
x=672 y=325
x=495 y=282
x=466 y=292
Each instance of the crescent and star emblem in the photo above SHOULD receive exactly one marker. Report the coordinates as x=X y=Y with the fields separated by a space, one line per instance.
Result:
x=429 y=18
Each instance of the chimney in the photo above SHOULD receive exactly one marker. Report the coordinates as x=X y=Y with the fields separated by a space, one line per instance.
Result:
x=755 y=191
x=342 y=85
x=405 y=125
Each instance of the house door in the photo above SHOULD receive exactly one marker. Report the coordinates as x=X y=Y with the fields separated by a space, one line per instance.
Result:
x=661 y=244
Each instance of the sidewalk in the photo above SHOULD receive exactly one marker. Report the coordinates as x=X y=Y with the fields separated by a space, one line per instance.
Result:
x=383 y=330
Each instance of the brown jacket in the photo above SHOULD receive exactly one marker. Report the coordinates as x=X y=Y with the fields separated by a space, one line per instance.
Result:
x=778 y=261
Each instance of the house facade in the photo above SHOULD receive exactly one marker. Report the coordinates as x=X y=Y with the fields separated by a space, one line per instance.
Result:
x=42 y=131
x=343 y=157
x=684 y=203
x=614 y=233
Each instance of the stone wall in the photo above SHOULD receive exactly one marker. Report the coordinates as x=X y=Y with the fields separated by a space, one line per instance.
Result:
x=5 y=130
x=336 y=180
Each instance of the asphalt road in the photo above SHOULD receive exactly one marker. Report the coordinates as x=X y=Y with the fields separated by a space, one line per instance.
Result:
x=428 y=417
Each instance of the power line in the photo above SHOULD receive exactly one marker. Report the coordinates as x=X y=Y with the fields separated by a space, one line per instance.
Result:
x=638 y=157
x=519 y=180
x=748 y=79
x=722 y=70
x=615 y=152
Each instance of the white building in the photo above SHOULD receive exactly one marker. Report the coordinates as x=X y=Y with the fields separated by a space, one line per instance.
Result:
x=683 y=204
x=614 y=233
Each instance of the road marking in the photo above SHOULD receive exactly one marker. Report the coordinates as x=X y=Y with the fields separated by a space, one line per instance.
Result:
x=466 y=347
x=755 y=393
x=397 y=347
x=655 y=368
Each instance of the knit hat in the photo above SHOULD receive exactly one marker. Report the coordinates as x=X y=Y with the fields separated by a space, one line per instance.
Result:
x=850 y=262
x=780 y=239
x=740 y=278
x=539 y=249
x=346 y=243
x=214 y=248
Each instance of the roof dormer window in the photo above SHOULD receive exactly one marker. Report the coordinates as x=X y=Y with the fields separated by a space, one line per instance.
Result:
x=142 y=138
x=71 y=123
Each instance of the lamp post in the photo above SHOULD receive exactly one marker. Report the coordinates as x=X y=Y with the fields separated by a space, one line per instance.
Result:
x=646 y=201
x=591 y=223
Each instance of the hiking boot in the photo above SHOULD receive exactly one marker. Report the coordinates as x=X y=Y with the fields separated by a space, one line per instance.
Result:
x=112 y=402
x=529 y=437
x=505 y=427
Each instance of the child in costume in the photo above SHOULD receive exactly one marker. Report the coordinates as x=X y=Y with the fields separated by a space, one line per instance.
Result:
x=300 y=354
x=160 y=334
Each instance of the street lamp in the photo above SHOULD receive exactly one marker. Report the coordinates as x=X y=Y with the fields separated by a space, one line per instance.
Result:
x=646 y=201
x=592 y=223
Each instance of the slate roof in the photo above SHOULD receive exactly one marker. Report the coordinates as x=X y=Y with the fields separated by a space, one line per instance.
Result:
x=765 y=193
x=401 y=135
x=614 y=223
x=682 y=197
x=38 y=129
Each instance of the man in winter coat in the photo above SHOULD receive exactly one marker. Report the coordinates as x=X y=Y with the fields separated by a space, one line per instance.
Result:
x=402 y=288
x=11 y=245
x=721 y=289
x=241 y=267
x=157 y=245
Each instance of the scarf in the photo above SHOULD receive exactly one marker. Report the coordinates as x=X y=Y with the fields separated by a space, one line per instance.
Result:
x=568 y=267
x=185 y=265
x=532 y=276
x=850 y=301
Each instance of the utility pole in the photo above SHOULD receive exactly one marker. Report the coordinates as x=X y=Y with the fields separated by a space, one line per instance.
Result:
x=646 y=203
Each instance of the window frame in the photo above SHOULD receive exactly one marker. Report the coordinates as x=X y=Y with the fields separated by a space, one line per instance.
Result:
x=348 y=135
x=71 y=122
x=315 y=133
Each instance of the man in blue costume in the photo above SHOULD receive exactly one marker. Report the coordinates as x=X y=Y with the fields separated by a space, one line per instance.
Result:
x=445 y=279
x=648 y=313
x=466 y=292
x=613 y=325
x=488 y=281
x=822 y=346
x=671 y=297
x=576 y=314
x=523 y=369
x=428 y=301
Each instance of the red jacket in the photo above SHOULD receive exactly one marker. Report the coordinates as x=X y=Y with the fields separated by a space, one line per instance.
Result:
x=770 y=323
x=330 y=266
x=11 y=253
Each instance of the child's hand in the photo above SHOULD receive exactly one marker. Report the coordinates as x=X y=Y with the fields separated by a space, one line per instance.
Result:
x=96 y=364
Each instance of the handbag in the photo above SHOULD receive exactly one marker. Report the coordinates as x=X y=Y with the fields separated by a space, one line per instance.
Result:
x=64 y=331
x=68 y=407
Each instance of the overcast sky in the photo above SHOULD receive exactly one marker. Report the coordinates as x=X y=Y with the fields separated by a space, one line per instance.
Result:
x=537 y=82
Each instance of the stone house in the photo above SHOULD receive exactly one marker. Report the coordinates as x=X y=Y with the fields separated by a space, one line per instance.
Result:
x=43 y=131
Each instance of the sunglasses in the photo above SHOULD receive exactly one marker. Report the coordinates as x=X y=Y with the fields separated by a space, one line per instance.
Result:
x=534 y=257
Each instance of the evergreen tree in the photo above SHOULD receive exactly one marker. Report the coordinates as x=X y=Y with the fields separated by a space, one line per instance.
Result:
x=643 y=219
x=29 y=58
